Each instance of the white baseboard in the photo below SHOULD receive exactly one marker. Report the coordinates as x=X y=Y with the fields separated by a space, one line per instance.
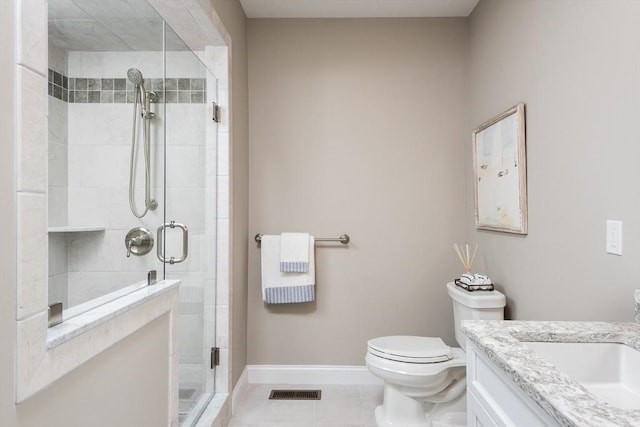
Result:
x=310 y=374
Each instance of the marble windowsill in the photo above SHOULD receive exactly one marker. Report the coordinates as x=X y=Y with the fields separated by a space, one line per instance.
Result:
x=562 y=398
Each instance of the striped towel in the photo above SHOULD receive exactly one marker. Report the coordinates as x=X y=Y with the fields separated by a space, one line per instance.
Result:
x=294 y=252
x=282 y=288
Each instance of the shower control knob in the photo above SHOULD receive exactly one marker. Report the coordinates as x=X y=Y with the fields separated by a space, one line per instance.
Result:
x=139 y=241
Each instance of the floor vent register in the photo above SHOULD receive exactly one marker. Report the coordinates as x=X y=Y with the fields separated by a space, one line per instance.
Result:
x=295 y=395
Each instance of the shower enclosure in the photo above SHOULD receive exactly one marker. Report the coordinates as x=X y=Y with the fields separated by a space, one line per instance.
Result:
x=133 y=172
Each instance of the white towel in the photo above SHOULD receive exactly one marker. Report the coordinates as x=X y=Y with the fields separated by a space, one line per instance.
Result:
x=279 y=287
x=294 y=252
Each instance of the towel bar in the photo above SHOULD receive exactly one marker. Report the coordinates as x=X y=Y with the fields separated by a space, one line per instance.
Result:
x=344 y=239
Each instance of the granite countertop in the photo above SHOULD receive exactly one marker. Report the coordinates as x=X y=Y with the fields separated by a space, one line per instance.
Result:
x=556 y=393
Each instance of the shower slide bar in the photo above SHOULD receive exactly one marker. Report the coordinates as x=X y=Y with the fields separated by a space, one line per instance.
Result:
x=344 y=239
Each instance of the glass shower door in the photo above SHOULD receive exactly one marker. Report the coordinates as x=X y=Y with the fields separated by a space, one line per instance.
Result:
x=187 y=240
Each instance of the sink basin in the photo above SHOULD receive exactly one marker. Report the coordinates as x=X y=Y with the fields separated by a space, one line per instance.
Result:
x=610 y=371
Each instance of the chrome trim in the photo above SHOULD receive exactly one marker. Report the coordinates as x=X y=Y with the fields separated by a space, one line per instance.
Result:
x=139 y=241
x=343 y=238
x=185 y=243
x=55 y=314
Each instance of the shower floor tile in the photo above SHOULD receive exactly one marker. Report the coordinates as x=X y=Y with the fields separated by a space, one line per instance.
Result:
x=340 y=406
x=188 y=396
x=186 y=393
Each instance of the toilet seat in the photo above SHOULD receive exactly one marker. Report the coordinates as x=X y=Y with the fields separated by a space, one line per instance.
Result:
x=410 y=349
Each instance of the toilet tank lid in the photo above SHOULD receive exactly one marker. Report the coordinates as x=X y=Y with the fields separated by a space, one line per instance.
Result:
x=477 y=299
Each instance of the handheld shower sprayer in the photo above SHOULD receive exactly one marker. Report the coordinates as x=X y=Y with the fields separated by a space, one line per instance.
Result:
x=145 y=98
x=135 y=76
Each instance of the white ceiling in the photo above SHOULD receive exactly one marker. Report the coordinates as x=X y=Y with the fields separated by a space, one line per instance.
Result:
x=357 y=8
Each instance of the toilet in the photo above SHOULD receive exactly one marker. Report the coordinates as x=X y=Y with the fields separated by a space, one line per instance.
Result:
x=424 y=379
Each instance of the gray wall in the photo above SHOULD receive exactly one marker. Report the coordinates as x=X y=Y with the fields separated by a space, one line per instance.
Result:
x=577 y=67
x=357 y=126
x=233 y=17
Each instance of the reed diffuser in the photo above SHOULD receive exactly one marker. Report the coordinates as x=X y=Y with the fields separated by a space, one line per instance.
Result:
x=465 y=255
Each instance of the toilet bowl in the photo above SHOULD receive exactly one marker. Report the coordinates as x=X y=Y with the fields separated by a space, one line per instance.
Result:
x=414 y=370
x=424 y=379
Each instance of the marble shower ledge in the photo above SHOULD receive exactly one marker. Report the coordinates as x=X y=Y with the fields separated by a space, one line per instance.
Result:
x=557 y=394
x=83 y=322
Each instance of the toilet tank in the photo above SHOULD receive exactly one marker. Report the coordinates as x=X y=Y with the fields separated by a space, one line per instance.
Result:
x=476 y=305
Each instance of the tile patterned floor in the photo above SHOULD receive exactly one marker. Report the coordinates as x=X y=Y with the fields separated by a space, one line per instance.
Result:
x=341 y=406
x=188 y=396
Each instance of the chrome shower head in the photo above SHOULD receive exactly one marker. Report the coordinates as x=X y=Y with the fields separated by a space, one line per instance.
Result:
x=135 y=76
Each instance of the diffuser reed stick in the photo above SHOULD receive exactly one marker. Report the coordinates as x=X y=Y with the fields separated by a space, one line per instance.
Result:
x=465 y=255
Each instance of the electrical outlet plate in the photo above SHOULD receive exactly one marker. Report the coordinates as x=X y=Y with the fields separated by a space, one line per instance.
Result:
x=614 y=237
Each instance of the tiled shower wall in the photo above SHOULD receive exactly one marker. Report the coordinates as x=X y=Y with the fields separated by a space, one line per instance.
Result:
x=58 y=183
x=121 y=90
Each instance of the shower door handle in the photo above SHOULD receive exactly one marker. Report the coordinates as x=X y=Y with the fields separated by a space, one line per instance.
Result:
x=185 y=242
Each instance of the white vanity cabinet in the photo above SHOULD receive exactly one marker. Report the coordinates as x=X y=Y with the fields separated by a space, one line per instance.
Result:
x=493 y=399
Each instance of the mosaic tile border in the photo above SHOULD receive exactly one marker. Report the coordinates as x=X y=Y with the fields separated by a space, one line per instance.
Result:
x=81 y=90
